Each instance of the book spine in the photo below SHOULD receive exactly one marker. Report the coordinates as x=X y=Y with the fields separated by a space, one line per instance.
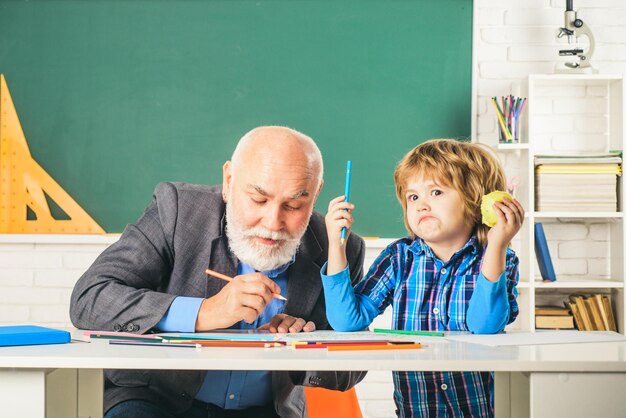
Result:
x=585 y=314
x=599 y=306
x=543 y=254
x=606 y=302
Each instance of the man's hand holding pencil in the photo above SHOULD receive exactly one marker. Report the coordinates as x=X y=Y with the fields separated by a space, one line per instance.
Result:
x=242 y=299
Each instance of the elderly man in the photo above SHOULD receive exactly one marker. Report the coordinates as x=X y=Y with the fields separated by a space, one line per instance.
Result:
x=258 y=226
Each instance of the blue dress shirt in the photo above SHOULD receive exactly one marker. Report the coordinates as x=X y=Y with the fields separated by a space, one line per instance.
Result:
x=224 y=388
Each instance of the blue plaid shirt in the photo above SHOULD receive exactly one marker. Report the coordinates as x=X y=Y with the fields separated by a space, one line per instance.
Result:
x=429 y=294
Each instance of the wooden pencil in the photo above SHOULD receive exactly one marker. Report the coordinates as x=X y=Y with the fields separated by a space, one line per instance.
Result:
x=151 y=344
x=228 y=279
x=375 y=347
x=340 y=344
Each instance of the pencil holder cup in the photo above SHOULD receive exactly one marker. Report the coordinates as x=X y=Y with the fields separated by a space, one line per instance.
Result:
x=508 y=115
x=511 y=134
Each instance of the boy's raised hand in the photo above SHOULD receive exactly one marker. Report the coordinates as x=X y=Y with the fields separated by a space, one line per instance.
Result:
x=339 y=215
x=510 y=215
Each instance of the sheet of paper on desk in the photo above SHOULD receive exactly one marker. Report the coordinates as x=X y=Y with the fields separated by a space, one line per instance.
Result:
x=539 y=337
x=319 y=336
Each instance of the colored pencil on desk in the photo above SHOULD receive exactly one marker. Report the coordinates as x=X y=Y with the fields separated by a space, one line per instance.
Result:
x=147 y=338
x=326 y=344
x=103 y=334
x=338 y=344
x=309 y=346
x=228 y=279
x=357 y=341
x=375 y=347
x=153 y=343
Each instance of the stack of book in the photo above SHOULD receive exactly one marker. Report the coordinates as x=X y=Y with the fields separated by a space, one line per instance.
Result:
x=577 y=183
x=553 y=317
x=592 y=313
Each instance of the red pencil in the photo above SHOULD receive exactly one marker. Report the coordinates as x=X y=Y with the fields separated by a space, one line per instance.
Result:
x=375 y=347
x=228 y=279
x=339 y=344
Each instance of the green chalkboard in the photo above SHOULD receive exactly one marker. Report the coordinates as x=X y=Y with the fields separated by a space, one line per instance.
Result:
x=116 y=96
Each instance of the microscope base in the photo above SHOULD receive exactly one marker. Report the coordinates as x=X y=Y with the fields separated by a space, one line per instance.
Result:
x=562 y=69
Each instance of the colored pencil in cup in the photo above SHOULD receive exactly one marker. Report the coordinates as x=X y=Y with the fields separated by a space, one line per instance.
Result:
x=228 y=279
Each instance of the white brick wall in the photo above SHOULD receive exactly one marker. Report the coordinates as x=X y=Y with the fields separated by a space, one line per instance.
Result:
x=578 y=249
x=512 y=40
x=37 y=274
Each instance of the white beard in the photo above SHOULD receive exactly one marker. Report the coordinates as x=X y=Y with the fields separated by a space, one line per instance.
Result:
x=260 y=257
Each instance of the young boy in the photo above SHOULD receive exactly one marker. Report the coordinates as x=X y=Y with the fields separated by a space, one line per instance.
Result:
x=451 y=274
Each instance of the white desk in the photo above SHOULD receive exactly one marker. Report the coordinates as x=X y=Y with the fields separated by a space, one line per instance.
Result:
x=537 y=381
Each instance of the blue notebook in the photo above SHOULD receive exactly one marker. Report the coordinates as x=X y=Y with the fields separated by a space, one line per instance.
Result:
x=32 y=335
x=543 y=254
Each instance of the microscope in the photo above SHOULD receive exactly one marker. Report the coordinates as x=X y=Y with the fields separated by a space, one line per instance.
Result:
x=573 y=29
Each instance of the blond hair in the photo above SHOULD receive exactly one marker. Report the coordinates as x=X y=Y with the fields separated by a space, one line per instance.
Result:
x=471 y=169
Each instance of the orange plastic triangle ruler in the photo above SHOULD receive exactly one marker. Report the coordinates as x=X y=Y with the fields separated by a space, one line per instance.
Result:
x=24 y=185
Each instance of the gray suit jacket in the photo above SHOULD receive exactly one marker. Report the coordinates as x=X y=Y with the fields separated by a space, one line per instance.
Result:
x=165 y=254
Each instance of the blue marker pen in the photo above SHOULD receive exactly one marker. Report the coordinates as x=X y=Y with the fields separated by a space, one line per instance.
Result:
x=347 y=194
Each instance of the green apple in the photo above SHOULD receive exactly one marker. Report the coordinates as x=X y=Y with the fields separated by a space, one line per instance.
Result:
x=486 y=206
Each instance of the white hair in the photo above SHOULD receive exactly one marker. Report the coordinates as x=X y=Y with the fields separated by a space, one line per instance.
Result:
x=312 y=152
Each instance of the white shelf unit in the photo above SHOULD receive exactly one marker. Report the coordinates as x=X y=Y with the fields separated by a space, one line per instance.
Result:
x=569 y=113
